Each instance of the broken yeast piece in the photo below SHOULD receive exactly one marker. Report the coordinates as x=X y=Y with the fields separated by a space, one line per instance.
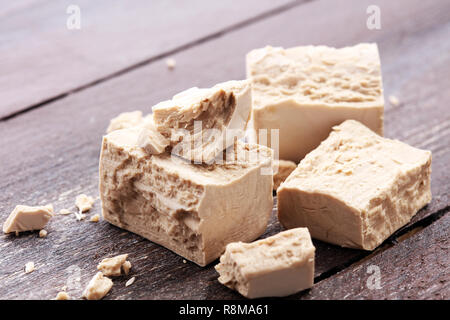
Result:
x=130 y=281
x=62 y=296
x=84 y=203
x=43 y=233
x=25 y=218
x=150 y=139
x=112 y=267
x=304 y=91
x=277 y=266
x=282 y=169
x=64 y=212
x=193 y=210
x=201 y=123
x=98 y=287
x=356 y=188
x=171 y=63
x=126 y=267
x=29 y=267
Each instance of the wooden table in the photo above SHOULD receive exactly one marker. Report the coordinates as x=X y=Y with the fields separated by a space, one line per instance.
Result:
x=60 y=87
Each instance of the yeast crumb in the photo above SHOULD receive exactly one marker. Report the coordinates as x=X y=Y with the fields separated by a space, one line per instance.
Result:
x=62 y=296
x=84 y=203
x=29 y=267
x=114 y=266
x=171 y=63
x=394 y=100
x=64 y=212
x=126 y=267
x=130 y=282
x=98 y=287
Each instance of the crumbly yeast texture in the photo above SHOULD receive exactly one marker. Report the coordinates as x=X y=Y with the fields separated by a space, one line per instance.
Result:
x=304 y=91
x=26 y=218
x=114 y=266
x=280 y=265
x=201 y=123
x=150 y=139
x=62 y=296
x=98 y=287
x=84 y=203
x=281 y=170
x=193 y=210
x=356 y=188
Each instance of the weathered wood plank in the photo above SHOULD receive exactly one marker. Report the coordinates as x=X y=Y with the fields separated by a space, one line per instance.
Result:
x=51 y=153
x=416 y=268
x=61 y=258
x=40 y=58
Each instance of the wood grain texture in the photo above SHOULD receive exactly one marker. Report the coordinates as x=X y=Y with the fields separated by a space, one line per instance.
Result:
x=72 y=250
x=41 y=58
x=416 y=268
x=51 y=153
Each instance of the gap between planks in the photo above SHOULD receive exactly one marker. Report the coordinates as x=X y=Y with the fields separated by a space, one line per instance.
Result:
x=398 y=237
x=183 y=47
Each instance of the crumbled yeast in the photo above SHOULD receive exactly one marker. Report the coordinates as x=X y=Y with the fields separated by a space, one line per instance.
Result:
x=113 y=267
x=171 y=63
x=29 y=267
x=394 y=100
x=62 y=296
x=84 y=203
x=98 y=287
x=26 y=218
x=64 y=212
x=130 y=282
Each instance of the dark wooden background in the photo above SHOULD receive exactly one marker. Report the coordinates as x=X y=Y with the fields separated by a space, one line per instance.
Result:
x=60 y=87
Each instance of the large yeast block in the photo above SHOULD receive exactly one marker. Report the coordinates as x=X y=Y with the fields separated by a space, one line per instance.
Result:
x=194 y=210
x=356 y=188
x=304 y=91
